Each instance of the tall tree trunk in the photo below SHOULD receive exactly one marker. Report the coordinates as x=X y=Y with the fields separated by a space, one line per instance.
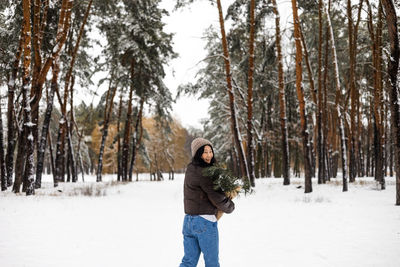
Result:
x=51 y=154
x=320 y=137
x=40 y=69
x=368 y=143
x=73 y=163
x=376 y=40
x=71 y=157
x=282 y=100
x=60 y=154
x=379 y=104
x=76 y=47
x=46 y=125
x=234 y=123
x=11 y=139
x=327 y=148
x=80 y=156
x=125 y=145
x=338 y=94
x=250 y=143
x=352 y=89
x=300 y=95
x=353 y=132
x=20 y=162
x=63 y=27
x=314 y=97
x=393 y=67
x=26 y=82
x=37 y=63
x=107 y=115
x=135 y=140
x=3 y=173
x=119 y=174
x=391 y=156
x=355 y=96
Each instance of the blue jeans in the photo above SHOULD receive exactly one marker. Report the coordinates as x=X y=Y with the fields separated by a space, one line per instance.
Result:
x=200 y=235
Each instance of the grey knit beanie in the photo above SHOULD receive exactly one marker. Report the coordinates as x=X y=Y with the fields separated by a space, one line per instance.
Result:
x=197 y=143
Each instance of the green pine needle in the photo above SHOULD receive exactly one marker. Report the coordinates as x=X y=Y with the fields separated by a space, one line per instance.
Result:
x=225 y=181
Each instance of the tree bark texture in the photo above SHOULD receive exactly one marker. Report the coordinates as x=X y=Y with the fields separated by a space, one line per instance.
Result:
x=136 y=140
x=46 y=125
x=11 y=119
x=119 y=169
x=107 y=115
x=250 y=143
x=3 y=174
x=337 y=107
x=320 y=137
x=234 y=123
x=393 y=67
x=282 y=100
x=300 y=95
x=40 y=68
x=26 y=82
x=125 y=145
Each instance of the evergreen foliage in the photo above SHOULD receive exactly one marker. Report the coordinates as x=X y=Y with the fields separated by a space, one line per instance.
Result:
x=225 y=181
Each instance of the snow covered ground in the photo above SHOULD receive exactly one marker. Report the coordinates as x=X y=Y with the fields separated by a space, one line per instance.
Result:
x=139 y=224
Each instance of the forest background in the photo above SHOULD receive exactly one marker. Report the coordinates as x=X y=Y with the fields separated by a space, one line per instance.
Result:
x=322 y=102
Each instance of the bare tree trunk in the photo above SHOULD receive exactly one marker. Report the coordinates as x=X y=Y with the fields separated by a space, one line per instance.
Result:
x=338 y=94
x=20 y=162
x=119 y=140
x=325 y=116
x=368 y=144
x=320 y=137
x=26 y=82
x=300 y=95
x=376 y=40
x=136 y=141
x=125 y=146
x=314 y=97
x=60 y=154
x=391 y=156
x=234 y=122
x=393 y=67
x=3 y=173
x=63 y=26
x=80 y=156
x=45 y=127
x=282 y=100
x=356 y=134
x=250 y=143
x=51 y=154
x=11 y=139
x=74 y=170
x=40 y=70
x=352 y=89
x=107 y=115
x=71 y=157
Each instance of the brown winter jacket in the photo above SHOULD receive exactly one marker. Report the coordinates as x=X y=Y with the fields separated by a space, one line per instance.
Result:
x=199 y=194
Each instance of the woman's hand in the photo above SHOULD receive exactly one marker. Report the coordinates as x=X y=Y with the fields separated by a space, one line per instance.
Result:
x=233 y=193
x=219 y=214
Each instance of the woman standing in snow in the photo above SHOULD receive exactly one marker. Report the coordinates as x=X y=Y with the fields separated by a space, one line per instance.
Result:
x=201 y=201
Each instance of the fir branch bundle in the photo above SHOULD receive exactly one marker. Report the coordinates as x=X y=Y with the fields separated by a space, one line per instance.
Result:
x=225 y=181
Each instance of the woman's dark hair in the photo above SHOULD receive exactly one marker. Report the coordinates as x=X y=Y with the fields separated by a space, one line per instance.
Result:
x=197 y=160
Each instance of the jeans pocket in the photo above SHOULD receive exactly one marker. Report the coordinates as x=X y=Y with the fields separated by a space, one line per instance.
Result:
x=200 y=225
